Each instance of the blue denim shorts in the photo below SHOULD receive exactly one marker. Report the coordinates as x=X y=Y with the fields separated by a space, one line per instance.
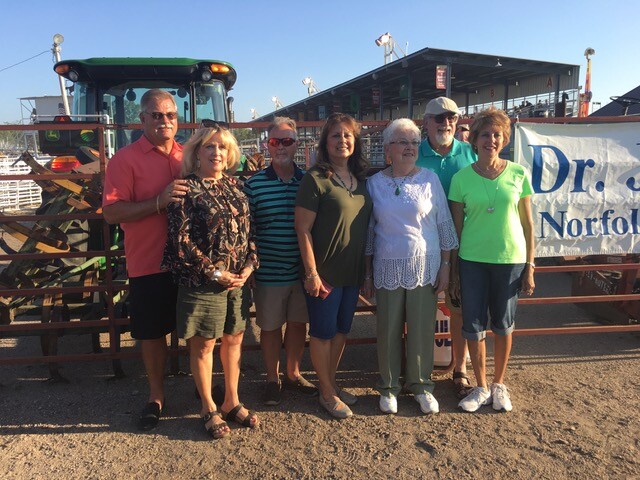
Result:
x=334 y=314
x=489 y=291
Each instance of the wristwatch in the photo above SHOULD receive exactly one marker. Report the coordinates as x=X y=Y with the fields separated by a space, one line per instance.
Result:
x=217 y=274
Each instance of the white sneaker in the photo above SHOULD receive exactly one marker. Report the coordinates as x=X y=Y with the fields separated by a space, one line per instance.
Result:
x=476 y=399
x=388 y=404
x=428 y=403
x=501 y=397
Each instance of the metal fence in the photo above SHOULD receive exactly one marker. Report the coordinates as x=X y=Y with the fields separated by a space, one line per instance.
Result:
x=86 y=294
x=19 y=194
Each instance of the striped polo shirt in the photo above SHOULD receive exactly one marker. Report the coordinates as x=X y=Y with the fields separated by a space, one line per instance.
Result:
x=272 y=204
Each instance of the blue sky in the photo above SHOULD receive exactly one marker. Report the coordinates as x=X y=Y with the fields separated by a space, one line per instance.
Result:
x=275 y=44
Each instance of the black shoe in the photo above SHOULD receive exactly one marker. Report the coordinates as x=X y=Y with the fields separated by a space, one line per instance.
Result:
x=301 y=385
x=149 y=416
x=217 y=393
x=272 y=394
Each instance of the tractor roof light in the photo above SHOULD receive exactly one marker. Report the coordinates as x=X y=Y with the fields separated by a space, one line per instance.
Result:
x=62 y=68
x=219 y=68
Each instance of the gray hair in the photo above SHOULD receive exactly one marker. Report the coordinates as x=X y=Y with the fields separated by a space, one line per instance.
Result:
x=155 y=94
x=283 y=121
x=399 y=124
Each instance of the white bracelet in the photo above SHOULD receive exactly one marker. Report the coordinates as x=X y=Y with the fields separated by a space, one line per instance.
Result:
x=158 y=204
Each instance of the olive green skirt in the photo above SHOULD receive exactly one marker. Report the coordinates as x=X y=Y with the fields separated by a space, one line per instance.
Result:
x=210 y=310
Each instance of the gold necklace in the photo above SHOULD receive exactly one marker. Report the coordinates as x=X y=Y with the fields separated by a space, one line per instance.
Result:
x=485 y=172
x=344 y=184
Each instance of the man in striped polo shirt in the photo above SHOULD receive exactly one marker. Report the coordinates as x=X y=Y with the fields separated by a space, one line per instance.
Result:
x=278 y=293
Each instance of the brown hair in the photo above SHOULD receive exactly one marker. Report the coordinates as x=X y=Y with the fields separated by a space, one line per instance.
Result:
x=488 y=117
x=357 y=163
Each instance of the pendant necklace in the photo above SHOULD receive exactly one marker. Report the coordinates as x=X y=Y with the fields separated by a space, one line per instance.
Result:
x=344 y=184
x=492 y=205
x=393 y=179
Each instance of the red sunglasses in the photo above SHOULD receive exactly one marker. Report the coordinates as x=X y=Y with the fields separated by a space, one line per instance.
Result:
x=287 y=142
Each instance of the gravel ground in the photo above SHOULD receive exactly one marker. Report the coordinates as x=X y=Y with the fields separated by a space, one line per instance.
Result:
x=576 y=400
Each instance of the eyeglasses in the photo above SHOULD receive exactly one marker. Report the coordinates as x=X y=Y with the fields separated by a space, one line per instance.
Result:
x=206 y=123
x=452 y=117
x=406 y=143
x=160 y=115
x=286 y=142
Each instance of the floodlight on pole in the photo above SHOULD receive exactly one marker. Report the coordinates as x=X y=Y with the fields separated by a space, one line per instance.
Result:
x=311 y=85
x=388 y=42
x=57 y=40
x=276 y=102
x=585 y=98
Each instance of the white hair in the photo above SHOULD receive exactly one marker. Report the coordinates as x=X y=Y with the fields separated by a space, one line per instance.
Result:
x=399 y=124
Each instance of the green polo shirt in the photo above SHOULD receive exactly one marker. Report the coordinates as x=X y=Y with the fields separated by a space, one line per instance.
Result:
x=460 y=155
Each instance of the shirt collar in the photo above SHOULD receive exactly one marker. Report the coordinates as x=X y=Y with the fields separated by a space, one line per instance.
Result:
x=427 y=151
x=147 y=146
x=270 y=172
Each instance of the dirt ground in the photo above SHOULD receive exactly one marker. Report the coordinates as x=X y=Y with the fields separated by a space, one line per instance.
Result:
x=576 y=415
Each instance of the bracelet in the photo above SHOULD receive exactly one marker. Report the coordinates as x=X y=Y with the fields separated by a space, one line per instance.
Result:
x=368 y=277
x=158 y=204
x=531 y=264
x=310 y=276
x=446 y=262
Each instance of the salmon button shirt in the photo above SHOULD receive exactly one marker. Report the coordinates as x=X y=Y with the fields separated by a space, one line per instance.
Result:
x=139 y=172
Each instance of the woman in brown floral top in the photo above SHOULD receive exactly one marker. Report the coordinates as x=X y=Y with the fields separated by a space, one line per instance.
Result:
x=211 y=253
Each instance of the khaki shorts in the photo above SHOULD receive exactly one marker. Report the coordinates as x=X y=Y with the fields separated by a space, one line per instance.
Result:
x=277 y=304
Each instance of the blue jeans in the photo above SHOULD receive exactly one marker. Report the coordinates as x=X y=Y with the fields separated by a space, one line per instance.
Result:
x=334 y=314
x=489 y=291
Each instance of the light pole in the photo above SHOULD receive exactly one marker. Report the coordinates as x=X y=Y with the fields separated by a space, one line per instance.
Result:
x=388 y=42
x=585 y=98
x=311 y=85
x=276 y=102
x=57 y=41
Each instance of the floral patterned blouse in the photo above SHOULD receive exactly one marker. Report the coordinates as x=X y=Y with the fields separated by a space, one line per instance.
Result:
x=212 y=227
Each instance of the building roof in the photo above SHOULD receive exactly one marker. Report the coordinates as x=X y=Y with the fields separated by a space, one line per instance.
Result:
x=629 y=101
x=413 y=77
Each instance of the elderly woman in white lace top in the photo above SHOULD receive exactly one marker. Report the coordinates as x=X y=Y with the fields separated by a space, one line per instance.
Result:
x=411 y=234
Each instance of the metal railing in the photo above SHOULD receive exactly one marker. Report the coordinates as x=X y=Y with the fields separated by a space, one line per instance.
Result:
x=97 y=274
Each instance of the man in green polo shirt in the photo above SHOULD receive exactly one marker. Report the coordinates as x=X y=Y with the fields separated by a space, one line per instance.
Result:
x=441 y=153
x=278 y=294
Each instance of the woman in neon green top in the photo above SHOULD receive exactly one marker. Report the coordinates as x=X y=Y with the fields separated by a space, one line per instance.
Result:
x=490 y=204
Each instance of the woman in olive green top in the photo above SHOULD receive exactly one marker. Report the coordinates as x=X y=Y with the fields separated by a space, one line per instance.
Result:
x=331 y=219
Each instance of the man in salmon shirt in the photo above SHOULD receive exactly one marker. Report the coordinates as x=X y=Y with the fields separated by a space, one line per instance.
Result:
x=141 y=180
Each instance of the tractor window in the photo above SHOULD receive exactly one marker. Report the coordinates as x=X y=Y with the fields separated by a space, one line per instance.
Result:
x=210 y=101
x=123 y=107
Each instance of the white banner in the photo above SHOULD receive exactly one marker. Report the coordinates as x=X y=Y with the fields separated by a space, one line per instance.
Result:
x=586 y=183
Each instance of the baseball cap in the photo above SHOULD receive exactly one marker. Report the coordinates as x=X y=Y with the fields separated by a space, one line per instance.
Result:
x=463 y=127
x=441 y=105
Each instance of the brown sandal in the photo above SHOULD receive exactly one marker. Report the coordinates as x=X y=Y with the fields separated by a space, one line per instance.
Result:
x=461 y=389
x=216 y=430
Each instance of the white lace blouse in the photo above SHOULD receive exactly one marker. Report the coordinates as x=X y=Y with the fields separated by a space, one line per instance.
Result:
x=407 y=232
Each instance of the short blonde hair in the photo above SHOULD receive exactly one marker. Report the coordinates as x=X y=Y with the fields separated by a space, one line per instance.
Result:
x=203 y=135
